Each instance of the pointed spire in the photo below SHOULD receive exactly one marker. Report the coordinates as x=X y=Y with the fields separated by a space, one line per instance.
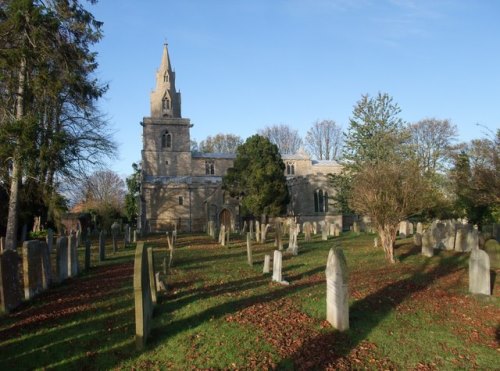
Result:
x=165 y=59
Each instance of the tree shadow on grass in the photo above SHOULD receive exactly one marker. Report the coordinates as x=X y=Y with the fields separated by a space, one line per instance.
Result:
x=328 y=348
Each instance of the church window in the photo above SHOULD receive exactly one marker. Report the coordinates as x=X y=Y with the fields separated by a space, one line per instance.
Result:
x=290 y=168
x=181 y=200
x=166 y=103
x=320 y=201
x=165 y=78
x=166 y=140
x=209 y=167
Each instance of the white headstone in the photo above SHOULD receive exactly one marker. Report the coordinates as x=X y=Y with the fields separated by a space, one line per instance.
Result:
x=267 y=263
x=249 y=250
x=337 y=291
x=479 y=272
x=277 y=265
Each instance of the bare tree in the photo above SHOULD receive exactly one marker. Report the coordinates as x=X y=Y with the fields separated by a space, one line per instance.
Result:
x=432 y=141
x=324 y=140
x=220 y=143
x=389 y=192
x=287 y=139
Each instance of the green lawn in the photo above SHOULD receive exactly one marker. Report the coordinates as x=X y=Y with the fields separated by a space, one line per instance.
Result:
x=221 y=313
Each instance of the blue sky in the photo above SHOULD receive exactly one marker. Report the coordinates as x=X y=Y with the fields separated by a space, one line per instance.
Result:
x=243 y=65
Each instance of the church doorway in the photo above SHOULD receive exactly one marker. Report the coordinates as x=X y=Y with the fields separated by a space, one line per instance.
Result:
x=225 y=218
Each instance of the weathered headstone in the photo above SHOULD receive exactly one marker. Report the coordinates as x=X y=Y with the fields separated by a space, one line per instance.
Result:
x=324 y=233
x=472 y=240
x=450 y=232
x=267 y=263
x=10 y=285
x=249 y=250
x=151 y=270
x=375 y=242
x=264 y=230
x=427 y=244
x=161 y=285
x=307 y=231
x=336 y=230
x=277 y=266
x=72 y=257
x=32 y=269
x=337 y=290
x=62 y=258
x=479 y=272
x=410 y=228
x=315 y=228
x=293 y=246
x=461 y=240
x=420 y=228
x=257 y=231
x=417 y=240
x=134 y=236
x=87 y=254
x=142 y=297
x=355 y=227
x=102 y=247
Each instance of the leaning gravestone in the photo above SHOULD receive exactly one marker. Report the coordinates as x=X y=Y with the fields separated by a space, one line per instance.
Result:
x=427 y=244
x=62 y=258
x=142 y=297
x=32 y=269
x=479 y=272
x=249 y=250
x=277 y=266
x=267 y=263
x=337 y=290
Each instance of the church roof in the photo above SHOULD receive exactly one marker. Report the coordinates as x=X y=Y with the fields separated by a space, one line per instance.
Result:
x=230 y=156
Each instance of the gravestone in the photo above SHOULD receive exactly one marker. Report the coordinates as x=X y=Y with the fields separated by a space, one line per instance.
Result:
x=251 y=227
x=427 y=244
x=331 y=229
x=152 y=279
x=32 y=269
x=278 y=236
x=307 y=228
x=293 y=246
x=142 y=297
x=355 y=227
x=50 y=239
x=134 y=236
x=324 y=233
x=336 y=230
x=375 y=242
x=315 y=228
x=10 y=285
x=337 y=290
x=450 y=233
x=277 y=266
x=461 y=240
x=62 y=258
x=222 y=237
x=46 y=266
x=72 y=257
x=264 y=231
x=249 y=250
x=492 y=248
x=257 y=231
x=2 y=244
x=87 y=254
x=472 y=240
x=479 y=273
x=417 y=239
x=420 y=228
x=115 y=230
x=410 y=229
x=102 y=247
x=267 y=263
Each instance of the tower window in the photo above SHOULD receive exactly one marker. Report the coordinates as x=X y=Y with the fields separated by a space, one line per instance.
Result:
x=181 y=200
x=166 y=103
x=165 y=77
x=166 y=140
x=209 y=167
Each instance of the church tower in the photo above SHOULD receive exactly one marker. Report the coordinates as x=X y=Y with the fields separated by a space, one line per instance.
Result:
x=165 y=100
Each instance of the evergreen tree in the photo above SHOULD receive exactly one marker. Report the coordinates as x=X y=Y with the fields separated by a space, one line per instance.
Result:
x=257 y=178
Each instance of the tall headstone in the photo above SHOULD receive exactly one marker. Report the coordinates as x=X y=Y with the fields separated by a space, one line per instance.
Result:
x=72 y=257
x=336 y=230
x=257 y=231
x=142 y=297
x=62 y=258
x=249 y=250
x=293 y=246
x=10 y=285
x=337 y=290
x=375 y=242
x=277 y=266
x=307 y=231
x=427 y=244
x=472 y=240
x=355 y=227
x=420 y=228
x=315 y=228
x=50 y=239
x=102 y=247
x=417 y=240
x=278 y=236
x=87 y=254
x=324 y=233
x=223 y=235
x=267 y=263
x=134 y=236
x=32 y=269
x=479 y=272
x=264 y=230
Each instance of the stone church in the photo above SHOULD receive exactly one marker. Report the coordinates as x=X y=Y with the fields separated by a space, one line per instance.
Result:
x=182 y=189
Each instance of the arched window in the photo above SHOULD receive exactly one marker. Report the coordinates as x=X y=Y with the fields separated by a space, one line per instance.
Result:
x=290 y=168
x=166 y=104
x=181 y=200
x=166 y=140
x=209 y=167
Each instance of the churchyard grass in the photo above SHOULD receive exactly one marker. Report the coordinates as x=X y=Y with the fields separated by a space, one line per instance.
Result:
x=221 y=313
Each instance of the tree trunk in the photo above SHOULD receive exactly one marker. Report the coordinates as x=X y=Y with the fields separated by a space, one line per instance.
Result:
x=388 y=239
x=12 y=222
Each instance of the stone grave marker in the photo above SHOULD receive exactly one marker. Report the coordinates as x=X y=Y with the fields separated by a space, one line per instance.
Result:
x=10 y=285
x=142 y=297
x=267 y=263
x=472 y=240
x=417 y=240
x=278 y=236
x=152 y=279
x=307 y=228
x=62 y=258
x=32 y=269
x=336 y=230
x=87 y=254
x=277 y=266
x=315 y=228
x=249 y=250
x=375 y=242
x=337 y=290
x=427 y=244
x=420 y=228
x=479 y=273
x=72 y=257
x=355 y=227
x=257 y=231
x=324 y=233
x=2 y=244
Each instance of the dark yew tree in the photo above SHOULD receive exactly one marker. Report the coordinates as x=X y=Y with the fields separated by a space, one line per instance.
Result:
x=258 y=178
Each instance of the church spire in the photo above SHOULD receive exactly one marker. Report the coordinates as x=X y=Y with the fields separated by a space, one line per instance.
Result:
x=165 y=100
